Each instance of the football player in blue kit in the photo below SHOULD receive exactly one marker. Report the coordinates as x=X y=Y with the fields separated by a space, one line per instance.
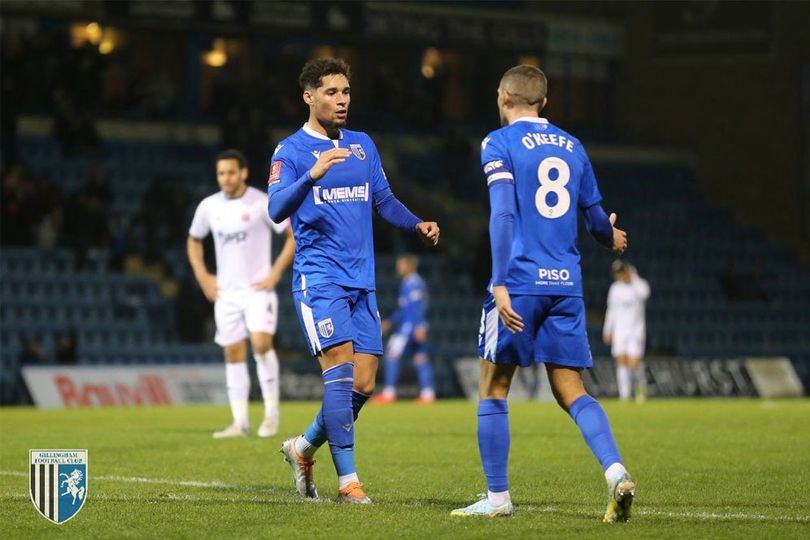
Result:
x=328 y=180
x=539 y=177
x=409 y=323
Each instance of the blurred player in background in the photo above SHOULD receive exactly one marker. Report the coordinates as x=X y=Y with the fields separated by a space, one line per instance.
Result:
x=410 y=334
x=245 y=302
x=538 y=178
x=328 y=179
x=625 y=329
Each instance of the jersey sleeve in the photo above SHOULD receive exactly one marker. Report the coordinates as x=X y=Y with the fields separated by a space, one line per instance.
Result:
x=379 y=181
x=200 y=225
x=495 y=161
x=283 y=168
x=588 y=190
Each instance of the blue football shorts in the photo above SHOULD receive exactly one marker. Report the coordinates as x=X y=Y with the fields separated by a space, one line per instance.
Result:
x=331 y=314
x=554 y=332
x=402 y=343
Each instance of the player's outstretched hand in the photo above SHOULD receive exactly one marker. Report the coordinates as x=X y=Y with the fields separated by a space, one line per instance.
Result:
x=326 y=160
x=510 y=318
x=619 y=237
x=428 y=231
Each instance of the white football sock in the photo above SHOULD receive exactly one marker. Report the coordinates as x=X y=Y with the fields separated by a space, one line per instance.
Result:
x=613 y=474
x=427 y=393
x=390 y=391
x=237 y=381
x=268 y=372
x=640 y=377
x=347 y=479
x=623 y=380
x=303 y=447
x=498 y=498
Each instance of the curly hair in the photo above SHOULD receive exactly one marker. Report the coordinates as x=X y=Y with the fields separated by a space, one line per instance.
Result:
x=315 y=69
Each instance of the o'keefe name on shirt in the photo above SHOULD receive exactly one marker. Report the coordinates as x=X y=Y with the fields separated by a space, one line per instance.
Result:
x=534 y=140
x=341 y=194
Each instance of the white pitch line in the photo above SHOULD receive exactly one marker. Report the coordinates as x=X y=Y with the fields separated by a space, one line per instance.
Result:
x=167 y=481
x=707 y=516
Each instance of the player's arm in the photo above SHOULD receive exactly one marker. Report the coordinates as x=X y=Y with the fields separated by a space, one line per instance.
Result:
x=420 y=324
x=397 y=214
x=639 y=284
x=282 y=262
x=393 y=320
x=599 y=224
x=286 y=192
x=392 y=210
x=199 y=229
x=607 y=328
x=501 y=228
x=503 y=212
x=196 y=258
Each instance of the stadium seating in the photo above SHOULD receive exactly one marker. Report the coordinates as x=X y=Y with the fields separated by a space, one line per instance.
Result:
x=718 y=288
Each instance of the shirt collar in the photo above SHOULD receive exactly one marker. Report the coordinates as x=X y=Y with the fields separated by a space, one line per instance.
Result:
x=534 y=119
x=309 y=131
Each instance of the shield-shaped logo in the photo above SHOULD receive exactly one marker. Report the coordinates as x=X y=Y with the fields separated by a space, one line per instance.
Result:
x=326 y=328
x=58 y=482
x=358 y=151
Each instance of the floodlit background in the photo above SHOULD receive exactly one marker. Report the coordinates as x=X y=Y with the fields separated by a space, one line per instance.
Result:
x=695 y=114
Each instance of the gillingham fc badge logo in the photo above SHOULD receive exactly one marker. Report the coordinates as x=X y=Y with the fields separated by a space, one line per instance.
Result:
x=58 y=482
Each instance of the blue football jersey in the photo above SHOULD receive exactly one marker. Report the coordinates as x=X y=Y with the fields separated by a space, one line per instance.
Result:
x=412 y=302
x=553 y=177
x=333 y=226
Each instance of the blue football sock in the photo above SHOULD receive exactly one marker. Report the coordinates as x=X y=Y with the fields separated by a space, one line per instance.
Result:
x=493 y=442
x=358 y=400
x=595 y=428
x=337 y=415
x=316 y=432
x=391 y=371
x=425 y=373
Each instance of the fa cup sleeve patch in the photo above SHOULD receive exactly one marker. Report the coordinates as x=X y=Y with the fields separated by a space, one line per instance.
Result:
x=275 y=173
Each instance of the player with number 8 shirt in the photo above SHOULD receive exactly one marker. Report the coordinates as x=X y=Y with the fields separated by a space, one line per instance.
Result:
x=538 y=177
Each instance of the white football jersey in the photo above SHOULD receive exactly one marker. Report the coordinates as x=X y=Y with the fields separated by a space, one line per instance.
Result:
x=242 y=238
x=625 y=308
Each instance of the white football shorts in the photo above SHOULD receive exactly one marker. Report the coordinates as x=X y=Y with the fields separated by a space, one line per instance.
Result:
x=238 y=314
x=631 y=345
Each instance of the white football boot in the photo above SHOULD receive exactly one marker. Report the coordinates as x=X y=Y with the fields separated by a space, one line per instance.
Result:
x=232 y=432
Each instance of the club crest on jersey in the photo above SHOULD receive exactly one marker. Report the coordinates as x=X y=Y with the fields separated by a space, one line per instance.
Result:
x=358 y=151
x=275 y=173
x=58 y=483
x=326 y=328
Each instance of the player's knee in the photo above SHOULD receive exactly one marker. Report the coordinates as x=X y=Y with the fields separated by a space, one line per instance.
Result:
x=262 y=348
x=261 y=343
x=234 y=354
x=363 y=384
x=420 y=359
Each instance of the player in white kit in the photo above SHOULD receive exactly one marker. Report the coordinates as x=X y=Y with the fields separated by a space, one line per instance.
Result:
x=625 y=329
x=245 y=302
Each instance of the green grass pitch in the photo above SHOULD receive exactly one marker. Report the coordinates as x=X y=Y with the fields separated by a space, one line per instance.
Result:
x=705 y=469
